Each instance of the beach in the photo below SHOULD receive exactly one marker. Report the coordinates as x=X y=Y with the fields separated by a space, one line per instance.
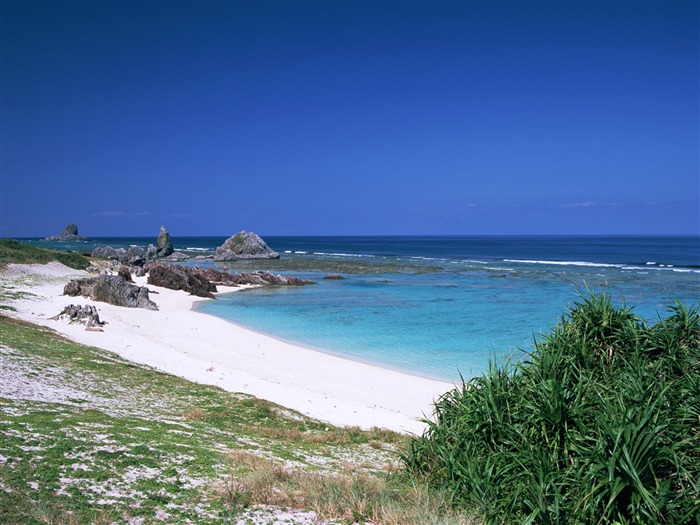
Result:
x=205 y=349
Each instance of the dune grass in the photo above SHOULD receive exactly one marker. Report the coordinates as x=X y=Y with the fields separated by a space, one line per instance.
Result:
x=600 y=425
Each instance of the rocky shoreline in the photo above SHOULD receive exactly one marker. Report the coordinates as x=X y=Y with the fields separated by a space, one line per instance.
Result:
x=119 y=289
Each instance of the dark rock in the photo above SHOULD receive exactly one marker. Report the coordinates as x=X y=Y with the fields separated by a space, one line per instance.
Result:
x=111 y=289
x=163 y=243
x=177 y=257
x=135 y=252
x=177 y=277
x=134 y=256
x=107 y=252
x=244 y=245
x=151 y=253
x=334 y=277
x=69 y=233
x=256 y=278
x=86 y=315
x=125 y=273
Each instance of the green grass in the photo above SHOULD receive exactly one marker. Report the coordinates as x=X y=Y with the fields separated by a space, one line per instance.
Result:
x=87 y=437
x=12 y=251
x=600 y=425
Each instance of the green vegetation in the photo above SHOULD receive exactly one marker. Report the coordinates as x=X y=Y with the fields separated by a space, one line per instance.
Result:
x=600 y=425
x=87 y=437
x=12 y=251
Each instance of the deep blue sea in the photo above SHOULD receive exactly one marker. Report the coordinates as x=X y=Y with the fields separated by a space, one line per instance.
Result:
x=442 y=306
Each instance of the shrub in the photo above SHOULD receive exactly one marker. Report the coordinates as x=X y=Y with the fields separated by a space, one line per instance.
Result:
x=600 y=424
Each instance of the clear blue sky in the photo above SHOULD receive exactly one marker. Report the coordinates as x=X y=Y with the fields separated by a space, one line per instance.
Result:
x=293 y=118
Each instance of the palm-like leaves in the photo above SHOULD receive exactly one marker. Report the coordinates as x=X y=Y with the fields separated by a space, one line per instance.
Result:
x=600 y=425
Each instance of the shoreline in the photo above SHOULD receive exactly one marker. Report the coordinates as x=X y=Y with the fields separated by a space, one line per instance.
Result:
x=179 y=340
x=309 y=347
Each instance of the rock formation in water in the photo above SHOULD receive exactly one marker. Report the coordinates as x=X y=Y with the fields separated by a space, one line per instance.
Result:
x=69 y=233
x=176 y=277
x=134 y=256
x=107 y=252
x=111 y=289
x=164 y=244
x=177 y=257
x=202 y=283
x=244 y=245
x=256 y=278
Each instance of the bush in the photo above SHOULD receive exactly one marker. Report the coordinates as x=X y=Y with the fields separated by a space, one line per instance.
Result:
x=600 y=424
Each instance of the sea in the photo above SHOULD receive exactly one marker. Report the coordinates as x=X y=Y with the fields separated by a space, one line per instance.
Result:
x=436 y=306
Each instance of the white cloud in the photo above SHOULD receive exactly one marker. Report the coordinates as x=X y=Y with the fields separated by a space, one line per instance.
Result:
x=111 y=213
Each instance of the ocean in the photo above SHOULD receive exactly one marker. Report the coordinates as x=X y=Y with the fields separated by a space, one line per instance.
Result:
x=442 y=307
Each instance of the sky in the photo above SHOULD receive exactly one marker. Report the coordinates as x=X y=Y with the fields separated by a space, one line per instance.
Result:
x=349 y=117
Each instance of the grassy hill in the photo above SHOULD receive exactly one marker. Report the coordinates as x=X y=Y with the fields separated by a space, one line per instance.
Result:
x=12 y=251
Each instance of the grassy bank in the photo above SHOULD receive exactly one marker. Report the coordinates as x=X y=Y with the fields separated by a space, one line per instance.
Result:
x=12 y=251
x=86 y=437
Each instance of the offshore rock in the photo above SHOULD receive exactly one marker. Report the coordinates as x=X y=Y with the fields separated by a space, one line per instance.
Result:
x=244 y=245
x=107 y=252
x=164 y=244
x=256 y=278
x=135 y=256
x=69 y=233
x=176 y=277
x=177 y=257
x=111 y=289
x=151 y=253
x=86 y=315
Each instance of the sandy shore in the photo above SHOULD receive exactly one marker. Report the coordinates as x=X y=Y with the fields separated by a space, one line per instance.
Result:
x=206 y=349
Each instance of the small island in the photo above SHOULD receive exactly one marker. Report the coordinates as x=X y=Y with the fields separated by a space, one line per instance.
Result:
x=69 y=233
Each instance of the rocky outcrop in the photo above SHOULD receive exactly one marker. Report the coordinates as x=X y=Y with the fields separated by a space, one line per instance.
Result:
x=107 y=252
x=177 y=277
x=256 y=278
x=69 y=233
x=164 y=244
x=125 y=273
x=151 y=253
x=111 y=289
x=202 y=283
x=177 y=257
x=244 y=245
x=82 y=314
x=134 y=256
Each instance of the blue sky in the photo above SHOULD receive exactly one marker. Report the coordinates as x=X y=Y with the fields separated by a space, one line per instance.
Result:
x=312 y=118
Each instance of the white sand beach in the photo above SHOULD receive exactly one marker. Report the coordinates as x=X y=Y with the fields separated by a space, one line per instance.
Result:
x=206 y=349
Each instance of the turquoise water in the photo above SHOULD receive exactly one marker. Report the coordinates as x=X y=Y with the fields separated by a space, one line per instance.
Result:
x=443 y=306
x=445 y=317
x=432 y=325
